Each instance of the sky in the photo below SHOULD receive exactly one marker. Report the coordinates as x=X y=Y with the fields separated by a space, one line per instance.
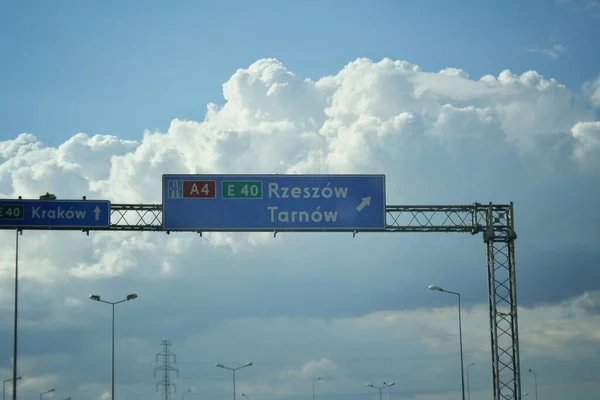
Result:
x=455 y=102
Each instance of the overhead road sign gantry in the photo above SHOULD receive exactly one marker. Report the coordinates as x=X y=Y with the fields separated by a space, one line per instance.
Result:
x=54 y=214
x=274 y=203
x=494 y=221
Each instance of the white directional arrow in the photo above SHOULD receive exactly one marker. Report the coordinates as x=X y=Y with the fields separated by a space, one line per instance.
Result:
x=364 y=203
x=97 y=212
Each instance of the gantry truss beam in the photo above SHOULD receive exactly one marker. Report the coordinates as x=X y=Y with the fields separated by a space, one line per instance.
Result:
x=495 y=222
x=418 y=218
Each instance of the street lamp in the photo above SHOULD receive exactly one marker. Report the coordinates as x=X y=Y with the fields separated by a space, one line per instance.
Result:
x=535 y=378
x=246 y=396
x=389 y=385
x=219 y=365
x=46 y=392
x=526 y=394
x=376 y=387
x=462 y=369
x=468 y=381
x=97 y=298
x=318 y=378
x=183 y=394
x=68 y=398
x=4 y=384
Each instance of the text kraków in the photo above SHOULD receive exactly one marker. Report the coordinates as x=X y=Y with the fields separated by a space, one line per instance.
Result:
x=315 y=216
x=59 y=213
x=314 y=192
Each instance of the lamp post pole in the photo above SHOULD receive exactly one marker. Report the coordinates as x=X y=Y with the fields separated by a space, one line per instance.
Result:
x=462 y=368
x=389 y=385
x=46 y=392
x=4 y=384
x=468 y=381
x=183 y=394
x=219 y=365
x=378 y=388
x=318 y=378
x=535 y=380
x=97 y=298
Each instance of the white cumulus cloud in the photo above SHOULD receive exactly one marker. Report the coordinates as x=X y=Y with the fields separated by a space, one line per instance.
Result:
x=351 y=310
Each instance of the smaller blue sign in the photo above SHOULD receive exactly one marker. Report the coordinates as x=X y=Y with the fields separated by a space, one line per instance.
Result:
x=84 y=214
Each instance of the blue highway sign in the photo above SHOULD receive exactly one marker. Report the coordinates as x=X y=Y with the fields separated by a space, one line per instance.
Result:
x=273 y=202
x=84 y=214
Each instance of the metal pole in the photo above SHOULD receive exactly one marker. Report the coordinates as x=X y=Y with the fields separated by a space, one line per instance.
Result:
x=112 y=370
x=390 y=392
x=378 y=388
x=14 y=392
x=469 y=381
x=46 y=392
x=131 y=296
x=462 y=368
x=4 y=386
x=468 y=386
x=535 y=380
x=233 y=384
x=313 y=381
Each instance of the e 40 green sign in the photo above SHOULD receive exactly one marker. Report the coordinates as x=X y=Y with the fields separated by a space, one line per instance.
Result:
x=242 y=189
x=11 y=211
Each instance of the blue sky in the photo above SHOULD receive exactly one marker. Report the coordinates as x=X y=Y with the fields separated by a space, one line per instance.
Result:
x=115 y=67
x=359 y=87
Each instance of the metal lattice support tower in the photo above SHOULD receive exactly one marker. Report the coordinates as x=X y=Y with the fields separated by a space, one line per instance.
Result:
x=499 y=238
x=166 y=368
x=496 y=222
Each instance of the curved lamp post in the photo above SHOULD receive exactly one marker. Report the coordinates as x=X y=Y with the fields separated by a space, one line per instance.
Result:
x=468 y=381
x=318 y=378
x=219 y=365
x=4 y=384
x=46 y=392
x=95 y=297
x=535 y=378
x=462 y=369
x=389 y=385
x=376 y=387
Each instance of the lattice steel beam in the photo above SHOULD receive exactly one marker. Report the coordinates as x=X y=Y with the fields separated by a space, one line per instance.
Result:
x=451 y=218
x=136 y=217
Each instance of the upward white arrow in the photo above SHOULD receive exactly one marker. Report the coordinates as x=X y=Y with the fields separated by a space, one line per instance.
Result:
x=97 y=212
x=366 y=201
